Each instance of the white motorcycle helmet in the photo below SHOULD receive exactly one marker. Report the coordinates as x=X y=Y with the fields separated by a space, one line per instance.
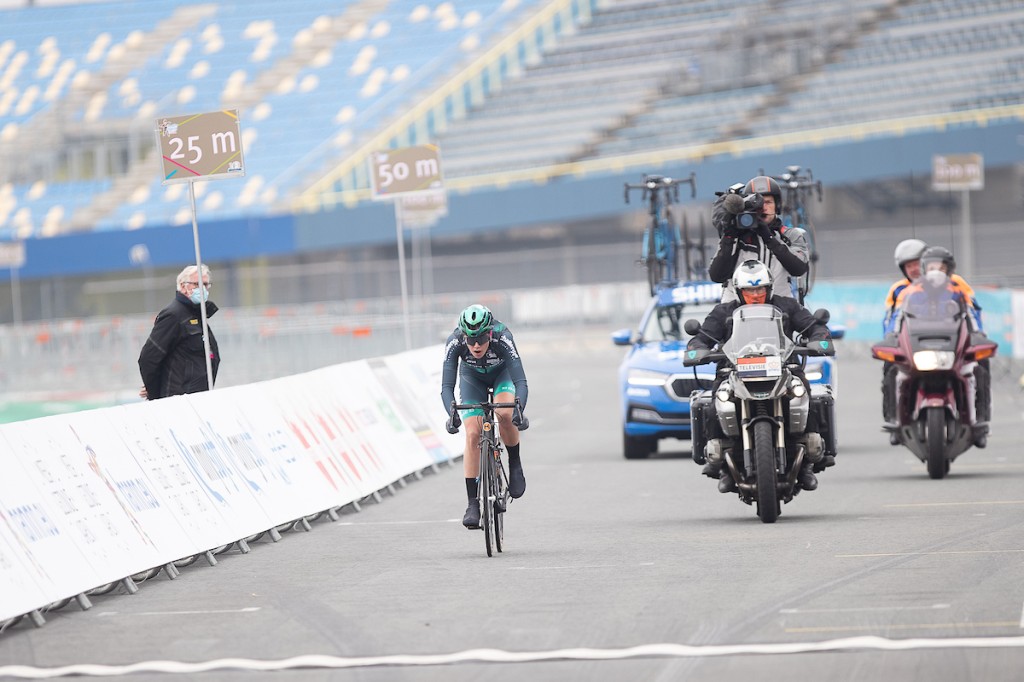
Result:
x=752 y=274
x=908 y=250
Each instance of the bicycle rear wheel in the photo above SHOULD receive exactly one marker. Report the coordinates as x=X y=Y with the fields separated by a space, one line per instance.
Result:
x=487 y=497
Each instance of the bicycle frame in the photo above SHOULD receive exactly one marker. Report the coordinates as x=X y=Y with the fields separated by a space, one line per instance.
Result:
x=661 y=240
x=493 y=480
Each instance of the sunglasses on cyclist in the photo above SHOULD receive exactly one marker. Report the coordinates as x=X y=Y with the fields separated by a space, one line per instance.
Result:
x=478 y=340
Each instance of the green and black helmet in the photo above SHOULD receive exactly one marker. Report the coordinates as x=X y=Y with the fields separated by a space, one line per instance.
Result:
x=476 y=320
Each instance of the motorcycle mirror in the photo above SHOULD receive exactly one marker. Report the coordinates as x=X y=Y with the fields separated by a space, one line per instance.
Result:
x=691 y=327
x=822 y=315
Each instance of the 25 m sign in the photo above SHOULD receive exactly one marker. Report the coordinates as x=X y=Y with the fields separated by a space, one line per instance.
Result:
x=200 y=146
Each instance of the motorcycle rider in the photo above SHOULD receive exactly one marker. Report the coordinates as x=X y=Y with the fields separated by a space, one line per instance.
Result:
x=940 y=259
x=908 y=260
x=783 y=250
x=752 y=283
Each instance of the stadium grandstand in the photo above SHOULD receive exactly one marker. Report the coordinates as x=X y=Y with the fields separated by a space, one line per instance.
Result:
x=541 y=110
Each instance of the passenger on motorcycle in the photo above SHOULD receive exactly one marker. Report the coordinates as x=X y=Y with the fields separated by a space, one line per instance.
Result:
x=938 y=259
x=752 y=283
x=489 y=359
x=783 y=250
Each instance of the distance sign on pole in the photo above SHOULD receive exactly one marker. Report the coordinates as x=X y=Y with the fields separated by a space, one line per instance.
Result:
x=200 y=146
x=405 y=171
x=193 y=147
x=963 y=172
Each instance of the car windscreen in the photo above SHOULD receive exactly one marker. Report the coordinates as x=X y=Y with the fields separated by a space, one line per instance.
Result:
x=665 y=323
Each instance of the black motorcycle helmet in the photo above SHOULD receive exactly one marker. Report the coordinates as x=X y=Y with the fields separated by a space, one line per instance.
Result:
x=762 y=185
x=938 y=254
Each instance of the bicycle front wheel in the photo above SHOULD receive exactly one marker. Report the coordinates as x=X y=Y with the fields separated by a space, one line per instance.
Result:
x=487 y=496
x=500 y=504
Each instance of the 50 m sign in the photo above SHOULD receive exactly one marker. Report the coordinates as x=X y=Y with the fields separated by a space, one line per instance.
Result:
x=198 y=146
x=406 y=171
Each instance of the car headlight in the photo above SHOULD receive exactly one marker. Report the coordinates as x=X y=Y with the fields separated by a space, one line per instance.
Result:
x=724 y=392
x=928 y=360
x=646 y=377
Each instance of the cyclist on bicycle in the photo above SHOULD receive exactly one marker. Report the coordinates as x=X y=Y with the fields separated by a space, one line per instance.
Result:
x=784 y=250
x=490 y=359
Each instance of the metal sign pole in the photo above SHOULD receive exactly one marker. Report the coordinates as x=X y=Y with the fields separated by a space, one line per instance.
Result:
x=199 y=278
x=401 y=273
x=15 y=295
x=966 y=265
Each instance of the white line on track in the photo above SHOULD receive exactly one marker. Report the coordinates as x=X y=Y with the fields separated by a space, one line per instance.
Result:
x=963 y=552
x=394 y=523
x=952 y=504
x=857 y=609
x=564 y=568
x=247 y=609
x=498 y=656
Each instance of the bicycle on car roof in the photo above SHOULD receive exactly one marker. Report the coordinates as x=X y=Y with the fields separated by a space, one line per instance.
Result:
x=662 y=241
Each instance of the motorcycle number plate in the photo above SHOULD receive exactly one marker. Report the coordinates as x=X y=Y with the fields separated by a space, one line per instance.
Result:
x=770 y=366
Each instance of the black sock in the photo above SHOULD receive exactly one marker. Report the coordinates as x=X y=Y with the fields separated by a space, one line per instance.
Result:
x=471 y=488
x=513 y=455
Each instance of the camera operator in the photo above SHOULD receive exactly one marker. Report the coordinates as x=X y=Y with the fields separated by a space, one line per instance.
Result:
x=746 y=218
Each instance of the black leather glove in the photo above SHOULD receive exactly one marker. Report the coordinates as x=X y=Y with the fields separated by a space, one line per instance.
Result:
x=453 y=423
x=730 y=230
x=764 y=231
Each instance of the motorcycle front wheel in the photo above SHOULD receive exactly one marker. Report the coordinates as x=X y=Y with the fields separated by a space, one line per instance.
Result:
x=764 y=460
x=935 y=437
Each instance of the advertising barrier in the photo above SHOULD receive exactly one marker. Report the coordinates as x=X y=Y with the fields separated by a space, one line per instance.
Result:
x=91 y=498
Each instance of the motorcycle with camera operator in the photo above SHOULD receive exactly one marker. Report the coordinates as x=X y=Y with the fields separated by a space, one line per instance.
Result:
x=759 y=427
x=746 y=217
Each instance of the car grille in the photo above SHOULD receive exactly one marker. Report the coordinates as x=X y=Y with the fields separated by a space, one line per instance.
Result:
x=680 y=388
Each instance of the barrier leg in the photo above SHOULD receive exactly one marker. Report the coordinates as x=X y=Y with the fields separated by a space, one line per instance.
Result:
x=37 y=618
x=274 y=535
x=171 y=570
x=210 y=559
x=83 y=601
x=129 y=585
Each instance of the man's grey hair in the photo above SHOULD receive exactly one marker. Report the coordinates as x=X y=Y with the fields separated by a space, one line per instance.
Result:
x=188 y=272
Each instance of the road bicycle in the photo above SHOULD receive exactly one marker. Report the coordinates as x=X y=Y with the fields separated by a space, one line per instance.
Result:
x=661 y=242
x=797 y=189
x=493 y=491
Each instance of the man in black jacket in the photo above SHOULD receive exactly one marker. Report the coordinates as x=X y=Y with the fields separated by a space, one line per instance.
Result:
x=753 y=285
x=173 y=359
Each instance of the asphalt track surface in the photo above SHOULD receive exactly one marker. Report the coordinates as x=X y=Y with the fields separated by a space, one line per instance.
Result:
x=613 y=569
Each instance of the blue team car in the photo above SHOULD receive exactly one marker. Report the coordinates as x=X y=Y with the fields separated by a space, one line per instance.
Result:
x=654 y=386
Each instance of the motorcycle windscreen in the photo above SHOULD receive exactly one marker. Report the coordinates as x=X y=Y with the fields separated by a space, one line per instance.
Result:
x=933 y=318
x=757 y=332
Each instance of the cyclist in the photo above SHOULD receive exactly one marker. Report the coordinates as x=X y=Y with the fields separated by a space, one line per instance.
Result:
x=940 y=259
x=783 y=250
x=753 y=285
x=490 y=359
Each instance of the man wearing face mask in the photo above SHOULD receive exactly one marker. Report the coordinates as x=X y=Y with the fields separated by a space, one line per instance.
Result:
x=172 y=361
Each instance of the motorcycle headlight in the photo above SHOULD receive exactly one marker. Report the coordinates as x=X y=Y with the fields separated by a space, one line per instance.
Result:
x=929 y=360
x=646 y=377
x=797 y=388
x=724 y=392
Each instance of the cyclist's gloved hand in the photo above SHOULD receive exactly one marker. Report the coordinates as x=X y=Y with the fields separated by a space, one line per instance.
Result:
x=453 y=423
x=520 y=421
